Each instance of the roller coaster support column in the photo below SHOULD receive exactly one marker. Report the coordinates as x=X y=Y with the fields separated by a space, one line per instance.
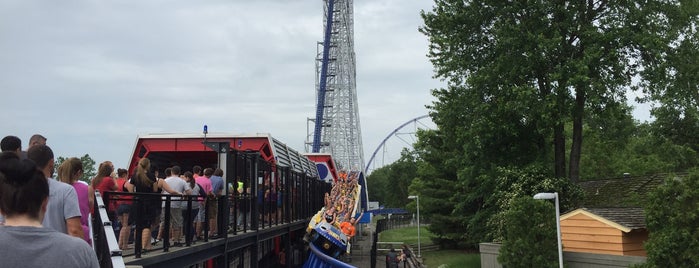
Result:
x=320 y=105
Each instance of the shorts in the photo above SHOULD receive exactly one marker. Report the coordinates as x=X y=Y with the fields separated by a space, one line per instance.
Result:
x=200 y=216
x=123 y=209
x=175 y=217
x=213 y=208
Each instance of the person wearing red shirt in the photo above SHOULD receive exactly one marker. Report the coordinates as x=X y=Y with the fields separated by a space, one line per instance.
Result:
x=104 y=182
x=123 y=209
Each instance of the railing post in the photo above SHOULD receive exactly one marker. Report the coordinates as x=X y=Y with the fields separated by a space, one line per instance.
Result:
x=188 y=224
x=165 y=228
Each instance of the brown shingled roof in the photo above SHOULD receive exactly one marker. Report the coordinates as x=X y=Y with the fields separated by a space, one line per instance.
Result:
x=633 y=218
x=620 y=192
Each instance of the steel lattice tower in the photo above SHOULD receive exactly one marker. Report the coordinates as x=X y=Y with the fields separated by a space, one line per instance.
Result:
x=336 y=126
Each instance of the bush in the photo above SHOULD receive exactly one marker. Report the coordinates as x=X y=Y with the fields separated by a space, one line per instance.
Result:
x=529 y=234
x=672 y=219
x=515 y=183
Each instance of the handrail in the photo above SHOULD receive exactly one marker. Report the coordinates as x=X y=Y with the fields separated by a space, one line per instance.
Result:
x=106 y=245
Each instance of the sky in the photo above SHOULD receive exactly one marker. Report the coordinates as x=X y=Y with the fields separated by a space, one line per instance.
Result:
x=93 y=75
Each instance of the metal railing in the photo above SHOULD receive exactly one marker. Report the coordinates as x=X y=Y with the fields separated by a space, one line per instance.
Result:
x=104 y=240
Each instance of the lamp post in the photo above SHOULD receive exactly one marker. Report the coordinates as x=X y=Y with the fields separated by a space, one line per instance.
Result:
x=558 y=222
x=417 y=199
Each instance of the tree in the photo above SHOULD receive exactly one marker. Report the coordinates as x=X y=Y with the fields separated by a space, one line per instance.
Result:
x=672 y=219
x=512 y=184
x=89 y=171
x=530 y=238
x=522 y=69
x=436 y=184
x=389 y=184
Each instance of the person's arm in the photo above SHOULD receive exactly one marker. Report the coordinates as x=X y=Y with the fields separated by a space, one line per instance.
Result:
x=91 y=197
x=129 y=187
x=166 y=187
x=71 y=212
x=74 y=227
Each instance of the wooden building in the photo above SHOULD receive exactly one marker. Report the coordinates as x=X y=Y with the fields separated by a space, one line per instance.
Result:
x=615 y=231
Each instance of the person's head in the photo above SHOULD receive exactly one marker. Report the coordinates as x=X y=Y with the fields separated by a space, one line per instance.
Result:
x=168 y=172
x=70 y=170
x=24 y=190
x=36 y=139
x=189 y=178
x=142 y=170
x=208 y=172
x=122 y=173
x=196 y=170
x=176 y=171
x=218 y=172
x=105 y=169
x=11 y=144
x=42 y=155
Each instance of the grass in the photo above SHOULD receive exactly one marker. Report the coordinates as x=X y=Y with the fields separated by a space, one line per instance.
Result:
x=451 y=259
x=407 y=235
x=436 y=258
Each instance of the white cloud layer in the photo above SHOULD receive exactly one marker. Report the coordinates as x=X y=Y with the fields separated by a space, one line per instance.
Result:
x=92 y=75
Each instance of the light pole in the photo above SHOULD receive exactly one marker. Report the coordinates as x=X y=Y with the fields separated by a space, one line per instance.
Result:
x=558 y=222
x=417 y=198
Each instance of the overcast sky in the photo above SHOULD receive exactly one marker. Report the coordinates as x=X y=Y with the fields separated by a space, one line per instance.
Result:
x=92 y=75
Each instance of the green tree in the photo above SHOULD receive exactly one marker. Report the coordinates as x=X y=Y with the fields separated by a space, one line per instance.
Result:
x=513 y=183
x=530 y=238
x=377 y=183
x=436 y=184
x=672 y=219
x=673 y=76
x=521 y=68
x=89 y=170
x=518 y=74
x=389 y=184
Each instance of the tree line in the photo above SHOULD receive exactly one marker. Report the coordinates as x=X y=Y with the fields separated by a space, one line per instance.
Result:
x=536 y=100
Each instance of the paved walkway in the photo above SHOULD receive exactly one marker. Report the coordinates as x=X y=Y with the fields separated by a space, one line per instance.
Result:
x=361 y=249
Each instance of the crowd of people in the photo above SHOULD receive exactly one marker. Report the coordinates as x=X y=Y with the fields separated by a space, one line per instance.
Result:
x=40 y=216
x=62 y=212
x=197 y=187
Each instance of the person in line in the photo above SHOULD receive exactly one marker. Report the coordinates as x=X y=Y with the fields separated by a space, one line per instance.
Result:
x=146 y=206
x=63 y=211
x=24 y=197
x=11 y=144
x=216 y=178
x=178 y=184
x=70 y=172
x=190 y=217
x=123 y=209
x=205 y=184
x=159 y=212
x=103 y=182
x=36 y=139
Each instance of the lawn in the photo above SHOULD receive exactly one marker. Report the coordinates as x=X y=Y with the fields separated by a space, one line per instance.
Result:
x=406 y=235
x=431 y=258
x=451 y=259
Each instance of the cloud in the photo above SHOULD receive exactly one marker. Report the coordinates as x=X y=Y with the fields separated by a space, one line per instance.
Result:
x=91 y=75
